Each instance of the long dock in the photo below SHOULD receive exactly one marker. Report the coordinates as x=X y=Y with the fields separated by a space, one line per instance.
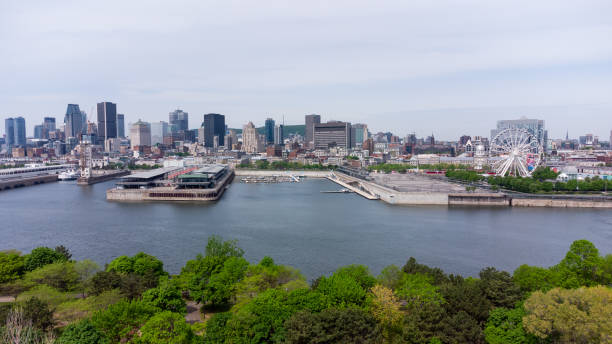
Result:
x=18 y=182
x=102 y=177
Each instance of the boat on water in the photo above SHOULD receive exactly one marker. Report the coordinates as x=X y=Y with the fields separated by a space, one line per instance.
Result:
x=68 y=175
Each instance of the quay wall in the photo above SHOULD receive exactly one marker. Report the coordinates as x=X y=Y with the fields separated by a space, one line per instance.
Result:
x=561 y=203
x=472 y=199
x=267 y=173
x=21 y=182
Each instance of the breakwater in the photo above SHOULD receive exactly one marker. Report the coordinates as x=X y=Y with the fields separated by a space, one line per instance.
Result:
x=18 y=182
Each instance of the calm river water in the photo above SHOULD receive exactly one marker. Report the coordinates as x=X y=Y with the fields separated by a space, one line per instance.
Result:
x=296 y=225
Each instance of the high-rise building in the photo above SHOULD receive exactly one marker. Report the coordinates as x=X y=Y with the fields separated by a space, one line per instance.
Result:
x=533 y=126
x=73 y=121
x=83 y=122
x=48 y=126
x=9 y=130
x=279 y=134
x=610 y=142
x=332 y=134
x=214 y=126
x=178 y=120
x=120 y=125
x=140 y=134
x=15 y=130
x=359 y=133
x=107 y=121
x=38 y=130
x=311 y=120
x=249 y=138
x=158 y=131
x=269 y=131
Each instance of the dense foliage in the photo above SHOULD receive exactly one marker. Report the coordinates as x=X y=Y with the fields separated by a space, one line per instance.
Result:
x=134 y=301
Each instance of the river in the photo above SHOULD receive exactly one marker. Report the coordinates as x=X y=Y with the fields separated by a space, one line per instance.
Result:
x=297 y=225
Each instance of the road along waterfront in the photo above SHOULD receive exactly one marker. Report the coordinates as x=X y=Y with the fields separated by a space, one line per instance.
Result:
x=296 y=224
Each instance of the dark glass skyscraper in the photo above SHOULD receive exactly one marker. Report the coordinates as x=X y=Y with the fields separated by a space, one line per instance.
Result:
x=178 y=120
x=269 y=131
x=107 y=121
x=214 y=125
x=120 y=125
x=73 y=121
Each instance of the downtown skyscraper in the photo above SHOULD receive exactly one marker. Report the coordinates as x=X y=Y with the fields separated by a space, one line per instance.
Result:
x=311 y=120
x=107 y=121
x=214 y=130
x=269 y=131
x=73 y=121
x=178 y=120
x=15 y=130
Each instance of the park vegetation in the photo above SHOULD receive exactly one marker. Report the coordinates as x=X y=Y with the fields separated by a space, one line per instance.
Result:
x=403 y=168
x=542 y=180
x=133 y=300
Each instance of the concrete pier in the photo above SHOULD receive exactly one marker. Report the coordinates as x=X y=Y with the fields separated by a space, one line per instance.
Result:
x=171 y=194
x=18 y=182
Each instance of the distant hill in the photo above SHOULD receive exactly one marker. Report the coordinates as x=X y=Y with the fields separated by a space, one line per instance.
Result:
x=289 y=129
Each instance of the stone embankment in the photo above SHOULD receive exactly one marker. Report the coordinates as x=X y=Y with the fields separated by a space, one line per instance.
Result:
x=372 y=190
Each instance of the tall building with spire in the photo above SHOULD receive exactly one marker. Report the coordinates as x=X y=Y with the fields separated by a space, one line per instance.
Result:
x=249 y=138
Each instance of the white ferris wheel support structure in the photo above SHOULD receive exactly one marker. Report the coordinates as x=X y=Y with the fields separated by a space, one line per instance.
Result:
x=519 y=152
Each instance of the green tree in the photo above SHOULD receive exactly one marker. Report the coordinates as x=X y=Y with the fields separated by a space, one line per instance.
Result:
x=61 y=275
x=42 y=256
x=390 y=277
x=438 y=276
x=85 y=269
x=120 y=322
x=532 y=278
x=216 y=247
x=342 y=291
x=216 y=328
x=499 y=288
x=82 y=332
x=11 y=266
x=418 y=289
x=167 y=296
x=505 y=326
x=349 y=325
x=221 y=287
x=166 y=327
x=141 y=264
x=581 y=265
x=359 y=273
x=61 y=249
x=581 y=315
x=104 y=281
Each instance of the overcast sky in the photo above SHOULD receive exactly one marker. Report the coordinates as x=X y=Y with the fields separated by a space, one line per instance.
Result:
x=450 y=68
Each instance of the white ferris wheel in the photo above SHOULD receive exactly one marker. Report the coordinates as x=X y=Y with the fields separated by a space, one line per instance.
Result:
x=518 y=152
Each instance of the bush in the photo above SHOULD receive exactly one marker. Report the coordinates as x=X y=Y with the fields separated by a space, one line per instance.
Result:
x=11 y=266
x=121 y=321
x=77 y=309
x=166 y=296
x=45 y=293
x=332 y=325
x=166 y=327
x=61 y=276
x=83 y=332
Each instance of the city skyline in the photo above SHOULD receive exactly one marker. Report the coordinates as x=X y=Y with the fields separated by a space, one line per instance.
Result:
x=413 y=67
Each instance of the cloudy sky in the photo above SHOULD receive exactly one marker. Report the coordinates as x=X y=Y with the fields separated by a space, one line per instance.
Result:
x=450 y=68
